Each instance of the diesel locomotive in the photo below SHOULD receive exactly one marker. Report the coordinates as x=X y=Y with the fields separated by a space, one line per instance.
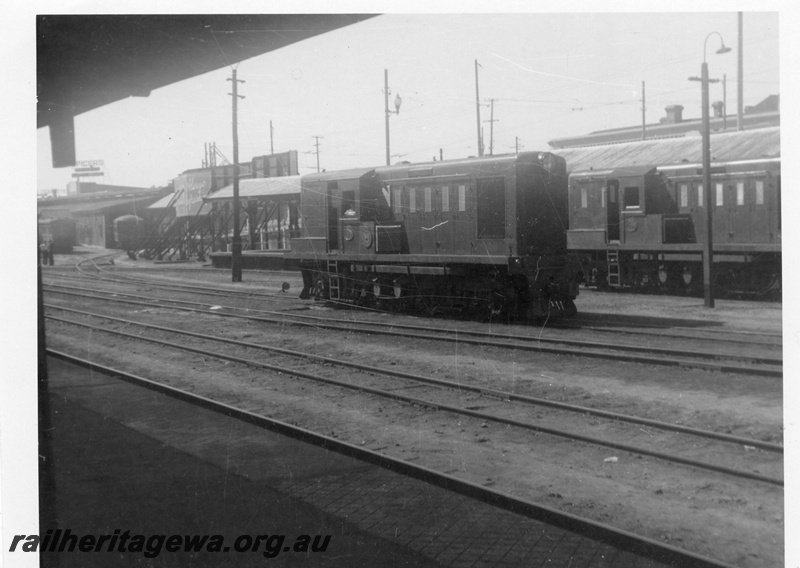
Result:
x=644 y=226
x=483 y=236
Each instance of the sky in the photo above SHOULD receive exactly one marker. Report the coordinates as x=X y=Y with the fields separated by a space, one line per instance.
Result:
x=549 y=75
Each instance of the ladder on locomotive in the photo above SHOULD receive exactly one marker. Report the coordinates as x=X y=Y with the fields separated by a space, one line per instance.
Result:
x=612 y=262
x=333 y=275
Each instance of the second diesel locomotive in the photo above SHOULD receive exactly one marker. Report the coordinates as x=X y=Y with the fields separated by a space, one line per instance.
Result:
x=644 y=227
x=480 y=235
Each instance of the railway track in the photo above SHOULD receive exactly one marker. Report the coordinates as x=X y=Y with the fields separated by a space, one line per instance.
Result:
x=731 y=361
x=602 y=532
x=666 y=330
x=491 y=405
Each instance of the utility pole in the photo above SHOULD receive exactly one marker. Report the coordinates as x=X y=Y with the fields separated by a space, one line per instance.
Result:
x=740 y=86
x=491 y=122
x=644 y=128
x=236 y=245
x=386 y=114
x=271 y=146
x=724 y=102
x=317 y=145
x=478 y=111
x=397 y=102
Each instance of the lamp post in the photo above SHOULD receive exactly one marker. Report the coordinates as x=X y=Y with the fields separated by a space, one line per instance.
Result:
x=397 y=102
x=708 y=245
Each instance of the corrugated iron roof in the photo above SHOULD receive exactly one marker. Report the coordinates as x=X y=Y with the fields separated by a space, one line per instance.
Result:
x=354 y=173
x=727 y=146
x=259 y=187
x=163 y=202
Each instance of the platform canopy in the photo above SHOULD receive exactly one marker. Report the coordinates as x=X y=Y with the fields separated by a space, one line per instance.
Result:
x=86 y=61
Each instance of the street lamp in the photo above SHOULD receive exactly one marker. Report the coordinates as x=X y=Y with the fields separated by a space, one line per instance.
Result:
x=708 y=245
x=397 y=102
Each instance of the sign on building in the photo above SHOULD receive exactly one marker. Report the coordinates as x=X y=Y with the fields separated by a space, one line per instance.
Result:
x=192 y=188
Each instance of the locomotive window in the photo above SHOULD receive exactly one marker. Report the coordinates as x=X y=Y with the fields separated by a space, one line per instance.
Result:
x=491 y=208
x=700 y=195
x=427 y=199
x=445 y=198
x=684 y=195
x=759 y=193
x=462 y=197
x=720 y=195
x=740 y=193
x=631 y=198
x=348 y=203
x=412 y=201
x=584 y=197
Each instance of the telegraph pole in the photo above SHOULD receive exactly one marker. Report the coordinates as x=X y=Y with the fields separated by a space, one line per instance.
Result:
x=271 y=146
x=317 y=145
x=644 y=128
x=491 y=122
x=478 y=111
x=740 y=84
x=236 y=245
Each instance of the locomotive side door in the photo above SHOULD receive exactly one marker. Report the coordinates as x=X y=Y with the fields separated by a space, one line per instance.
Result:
x=334 y=203
x=612 y=211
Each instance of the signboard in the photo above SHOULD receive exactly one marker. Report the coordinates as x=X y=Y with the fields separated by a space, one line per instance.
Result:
x=87 y=168
x=87 y=174
x=192 y=188
x=276 y=165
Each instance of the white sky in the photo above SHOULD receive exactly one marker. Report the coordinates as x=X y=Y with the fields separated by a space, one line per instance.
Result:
x=552 y=75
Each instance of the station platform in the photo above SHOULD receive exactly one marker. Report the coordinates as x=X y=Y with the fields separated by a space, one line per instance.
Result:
x=126 y=458
x=254 y=260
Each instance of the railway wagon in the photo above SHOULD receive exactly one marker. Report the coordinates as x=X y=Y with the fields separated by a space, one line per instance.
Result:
x=129 y=232
x=61 y=232
x=645 y=226
x=478 y=235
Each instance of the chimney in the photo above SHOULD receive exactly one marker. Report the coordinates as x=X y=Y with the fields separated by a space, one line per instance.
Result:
x=719 y=109
x=674 y=114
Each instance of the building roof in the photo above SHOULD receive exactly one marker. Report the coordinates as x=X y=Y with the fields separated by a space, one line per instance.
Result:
x=100 y=201
x=259 y=187
x=725 y=146
x=164 y=202
x=763 y=115
x=354 y=173
x=110 y=204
